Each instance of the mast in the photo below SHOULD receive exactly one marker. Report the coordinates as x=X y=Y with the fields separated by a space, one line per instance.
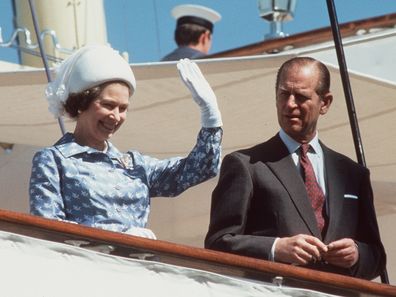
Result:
x=89 y=26
x=44 y=56
x=348 y=95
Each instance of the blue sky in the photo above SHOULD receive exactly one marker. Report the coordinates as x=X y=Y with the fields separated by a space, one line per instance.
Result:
x=144 y=28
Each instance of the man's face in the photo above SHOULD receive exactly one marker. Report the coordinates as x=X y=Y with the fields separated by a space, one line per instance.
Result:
x=297 y=103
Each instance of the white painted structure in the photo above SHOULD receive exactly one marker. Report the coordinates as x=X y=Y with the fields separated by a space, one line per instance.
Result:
x=75 y=22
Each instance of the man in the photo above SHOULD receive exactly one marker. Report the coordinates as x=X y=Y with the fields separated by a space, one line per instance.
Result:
x=261 y=206
x=194 y=29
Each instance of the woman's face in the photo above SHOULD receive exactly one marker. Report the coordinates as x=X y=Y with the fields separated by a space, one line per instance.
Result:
x=103 y=117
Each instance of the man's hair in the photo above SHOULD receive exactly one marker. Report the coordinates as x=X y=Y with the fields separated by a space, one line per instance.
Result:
x=323 y=86
x=187 y=34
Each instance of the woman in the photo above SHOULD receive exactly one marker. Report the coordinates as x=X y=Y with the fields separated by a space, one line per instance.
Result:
x=83 y=178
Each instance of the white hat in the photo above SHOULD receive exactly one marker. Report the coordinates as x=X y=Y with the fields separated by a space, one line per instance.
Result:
x=87 y=67
x=195 y=14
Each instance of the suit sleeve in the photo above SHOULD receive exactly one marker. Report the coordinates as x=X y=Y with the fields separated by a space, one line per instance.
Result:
x=231 y=202
x=372 y=257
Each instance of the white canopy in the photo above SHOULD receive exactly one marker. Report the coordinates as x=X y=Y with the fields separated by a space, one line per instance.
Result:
x=34 y=268
x=164 y=120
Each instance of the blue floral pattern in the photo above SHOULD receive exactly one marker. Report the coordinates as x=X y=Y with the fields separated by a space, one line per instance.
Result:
x=112 y=190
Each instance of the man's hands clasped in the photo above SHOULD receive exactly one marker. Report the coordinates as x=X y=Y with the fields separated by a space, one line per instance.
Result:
x=303 y=249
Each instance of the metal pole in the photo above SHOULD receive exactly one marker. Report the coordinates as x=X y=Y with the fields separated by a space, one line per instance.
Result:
x=348 y=96
x=43 y=55
x=346 y=83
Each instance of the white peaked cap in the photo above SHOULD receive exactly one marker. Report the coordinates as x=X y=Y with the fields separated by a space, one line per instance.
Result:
x=88 y=67
x=196 y=14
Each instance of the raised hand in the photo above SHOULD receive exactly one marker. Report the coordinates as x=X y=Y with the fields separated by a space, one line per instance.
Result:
x=201 y=92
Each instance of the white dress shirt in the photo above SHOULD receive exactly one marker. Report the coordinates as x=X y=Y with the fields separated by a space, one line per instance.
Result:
x=315 y=155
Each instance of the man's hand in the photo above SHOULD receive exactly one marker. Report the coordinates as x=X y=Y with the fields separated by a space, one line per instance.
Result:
x=343 y=253
x=300 y=249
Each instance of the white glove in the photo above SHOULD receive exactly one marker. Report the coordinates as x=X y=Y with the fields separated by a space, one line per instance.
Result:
x=141 y=232
x=201 y=92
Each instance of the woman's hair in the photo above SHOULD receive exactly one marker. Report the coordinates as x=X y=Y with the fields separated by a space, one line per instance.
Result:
x=79 y=102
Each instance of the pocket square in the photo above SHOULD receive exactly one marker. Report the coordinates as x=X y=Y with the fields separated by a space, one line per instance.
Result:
x=350 y=196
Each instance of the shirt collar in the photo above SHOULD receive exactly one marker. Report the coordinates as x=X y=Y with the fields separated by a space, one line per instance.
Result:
x=68 y=147
x=293 y=145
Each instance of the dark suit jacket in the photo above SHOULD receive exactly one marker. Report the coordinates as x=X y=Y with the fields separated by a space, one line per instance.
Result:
x=261 y=195
x=183 y=52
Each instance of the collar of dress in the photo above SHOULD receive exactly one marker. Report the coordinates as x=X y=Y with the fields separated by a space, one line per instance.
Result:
x=68 y=147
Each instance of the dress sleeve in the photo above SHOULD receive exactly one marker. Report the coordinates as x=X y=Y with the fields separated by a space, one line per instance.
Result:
x=44 y=190
x=170 y=177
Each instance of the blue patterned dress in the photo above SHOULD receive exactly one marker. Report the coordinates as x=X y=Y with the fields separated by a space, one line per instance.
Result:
x=112 y=190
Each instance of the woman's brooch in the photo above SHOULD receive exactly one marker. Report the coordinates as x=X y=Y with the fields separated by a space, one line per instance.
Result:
x=126 y=161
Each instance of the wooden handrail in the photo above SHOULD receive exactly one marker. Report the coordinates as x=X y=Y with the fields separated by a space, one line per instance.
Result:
x=189 y=256
x=307 y=38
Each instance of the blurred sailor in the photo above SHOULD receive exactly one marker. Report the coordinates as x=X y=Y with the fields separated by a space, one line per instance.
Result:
x=193 y=33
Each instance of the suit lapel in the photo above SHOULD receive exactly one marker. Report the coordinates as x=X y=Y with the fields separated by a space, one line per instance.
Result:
x=335 y=181
x=285 y=170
